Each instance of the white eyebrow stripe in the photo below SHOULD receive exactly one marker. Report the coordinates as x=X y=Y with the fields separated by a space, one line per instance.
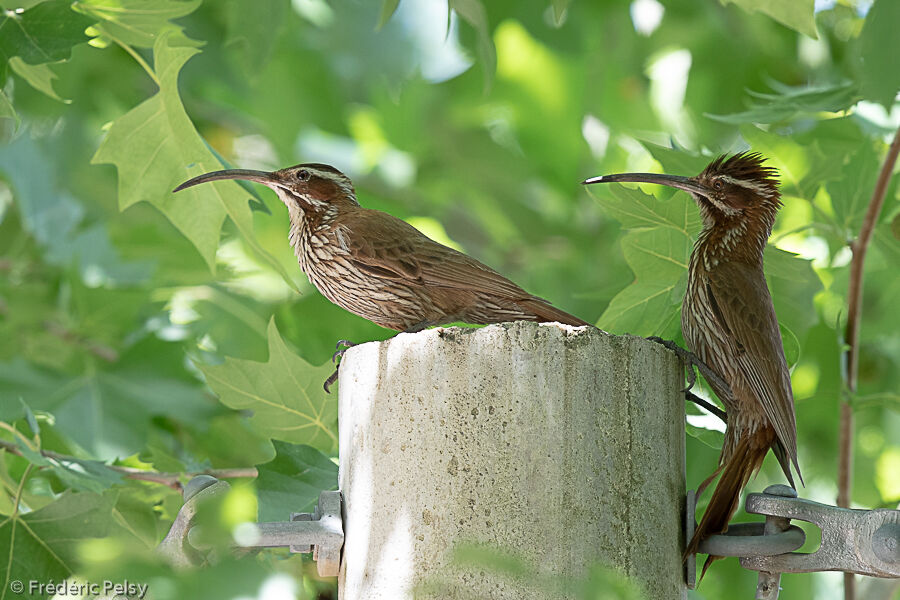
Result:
x=750 y=185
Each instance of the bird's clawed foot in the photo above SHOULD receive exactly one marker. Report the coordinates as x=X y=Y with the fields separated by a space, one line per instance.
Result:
x=690 y=360
x=342 y=346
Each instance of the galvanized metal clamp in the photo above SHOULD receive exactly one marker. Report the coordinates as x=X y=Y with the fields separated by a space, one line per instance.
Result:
x=320 y=532
x=865 y=542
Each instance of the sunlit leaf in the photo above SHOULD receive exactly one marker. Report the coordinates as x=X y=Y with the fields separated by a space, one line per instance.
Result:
x=135 y=22
x=657 y=250
x=285 y=394
x=782 y=152
x=796 y=14
x=155 y=147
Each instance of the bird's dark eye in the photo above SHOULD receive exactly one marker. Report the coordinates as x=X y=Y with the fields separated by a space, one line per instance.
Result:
x=302 y=175
x=718 y=185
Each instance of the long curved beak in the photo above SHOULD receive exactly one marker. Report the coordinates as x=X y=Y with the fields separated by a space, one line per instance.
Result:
x=688 y=184
x=268 y=179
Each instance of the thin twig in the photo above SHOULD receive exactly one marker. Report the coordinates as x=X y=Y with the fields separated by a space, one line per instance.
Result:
x=854 y=311
x=172 y=480
x=67 y=335
x=140 y=60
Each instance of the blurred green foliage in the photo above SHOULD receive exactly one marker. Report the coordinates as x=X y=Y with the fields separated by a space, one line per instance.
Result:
x=125 y=310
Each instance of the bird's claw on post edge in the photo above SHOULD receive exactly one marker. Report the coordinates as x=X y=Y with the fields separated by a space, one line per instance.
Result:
x=342 y=346
x=690 y=359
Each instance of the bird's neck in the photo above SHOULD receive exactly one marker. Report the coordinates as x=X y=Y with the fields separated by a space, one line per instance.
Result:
x=733 y=239
x=307 y=225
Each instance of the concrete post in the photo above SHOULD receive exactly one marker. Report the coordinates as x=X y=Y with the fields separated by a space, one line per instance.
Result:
x=562 y=445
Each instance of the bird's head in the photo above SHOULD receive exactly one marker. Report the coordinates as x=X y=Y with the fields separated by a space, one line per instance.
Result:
x=305 y=189
x=730 y=189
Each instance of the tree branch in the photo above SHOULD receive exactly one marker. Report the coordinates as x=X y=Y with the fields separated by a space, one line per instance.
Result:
x=97 y=349
x=172 y=480
x=859 y=247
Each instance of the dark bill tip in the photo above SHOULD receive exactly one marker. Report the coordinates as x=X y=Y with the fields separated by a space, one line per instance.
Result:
x=246 y=174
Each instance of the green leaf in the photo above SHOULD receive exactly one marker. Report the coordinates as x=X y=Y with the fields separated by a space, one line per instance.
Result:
x=55 y=219
x=388 y=8
x=676 y=162
x=851 y=193
x=782 y=152
x=291 y=482
x=711 y=437
x=285 y=394
x=250 y=41
x=879 y=45
x=657 y=250
x=30 y=418
x=44 y=33
x=135 y=22
x=793 y=284
x=155 y=147
x=473 y=13
x=43 y=545
x=40 y=77
x=559 y=9
x=6 y=108
x=796 y=14
x=109 y=410
x=791 y=345
x=791 y=102
x=75 y=473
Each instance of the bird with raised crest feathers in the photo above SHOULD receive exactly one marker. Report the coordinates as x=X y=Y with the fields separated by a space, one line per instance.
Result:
x=382 y=268
x=729 y=323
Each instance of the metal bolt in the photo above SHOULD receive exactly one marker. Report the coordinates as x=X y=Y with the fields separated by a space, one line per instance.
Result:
x=769 y=584
x=197 y=485
x=886 y=543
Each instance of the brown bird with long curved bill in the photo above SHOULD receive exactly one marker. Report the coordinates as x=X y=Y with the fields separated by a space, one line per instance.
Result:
x=382 y=268
x=729 y=322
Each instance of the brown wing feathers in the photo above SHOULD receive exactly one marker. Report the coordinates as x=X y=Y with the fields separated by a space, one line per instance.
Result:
x=402 y=252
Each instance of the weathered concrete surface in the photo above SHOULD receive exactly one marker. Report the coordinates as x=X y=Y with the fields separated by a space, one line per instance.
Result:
x=563 y=445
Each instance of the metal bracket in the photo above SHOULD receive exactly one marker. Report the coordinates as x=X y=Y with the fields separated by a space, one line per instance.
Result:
x=865 y=542
x=320 y=532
